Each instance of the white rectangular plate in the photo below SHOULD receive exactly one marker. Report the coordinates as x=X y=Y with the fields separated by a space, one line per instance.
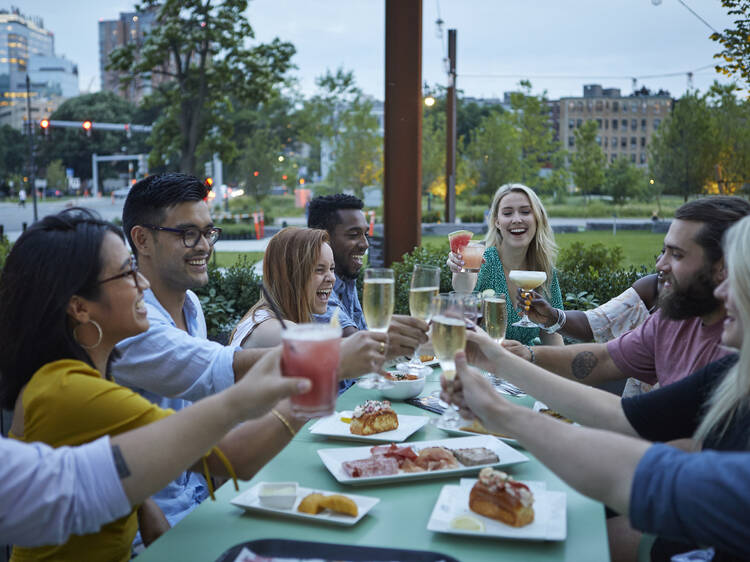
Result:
x=550 y=518
x=249 y=500
x=460 y=432
x=332 y=459
x=333 y=427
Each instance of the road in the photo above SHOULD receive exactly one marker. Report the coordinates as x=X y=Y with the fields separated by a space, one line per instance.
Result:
x=12 y=216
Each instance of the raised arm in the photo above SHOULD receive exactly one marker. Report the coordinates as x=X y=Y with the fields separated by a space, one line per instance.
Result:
x=598 y=463
x=586 y=405
x=589 y=363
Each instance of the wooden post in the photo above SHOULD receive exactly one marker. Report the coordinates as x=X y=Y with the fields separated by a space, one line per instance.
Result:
x=403 y=128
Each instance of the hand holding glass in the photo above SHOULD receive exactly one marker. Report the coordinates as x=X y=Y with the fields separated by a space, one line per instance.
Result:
x=528 y=281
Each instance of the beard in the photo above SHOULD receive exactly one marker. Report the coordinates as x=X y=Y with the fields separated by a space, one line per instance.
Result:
x=694 y=299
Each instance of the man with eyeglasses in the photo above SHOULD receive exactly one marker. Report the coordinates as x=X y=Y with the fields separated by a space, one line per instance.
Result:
x=168 y=225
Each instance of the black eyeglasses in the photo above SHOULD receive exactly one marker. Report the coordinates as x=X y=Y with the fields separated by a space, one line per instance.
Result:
x=191 y=236
x=133 y=271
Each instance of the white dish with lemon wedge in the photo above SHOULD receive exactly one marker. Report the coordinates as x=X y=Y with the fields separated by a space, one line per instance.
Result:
x=452 y=515
x=336 y=426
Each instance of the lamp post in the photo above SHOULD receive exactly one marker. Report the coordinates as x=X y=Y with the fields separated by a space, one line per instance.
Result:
x=450 y=131
x=32 y=171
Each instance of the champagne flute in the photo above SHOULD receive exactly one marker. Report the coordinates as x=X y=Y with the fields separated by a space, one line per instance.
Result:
x=377 y=305
x=448 y=337
x=425 y=284
x=528 y=281
x=495 y=324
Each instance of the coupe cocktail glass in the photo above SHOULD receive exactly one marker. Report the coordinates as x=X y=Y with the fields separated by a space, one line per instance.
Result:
x=528 y=281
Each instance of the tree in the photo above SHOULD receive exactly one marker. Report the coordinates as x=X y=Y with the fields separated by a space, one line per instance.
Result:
x=258 y=163
x=433 y=148
x=201 y=47
x=56 y=178
x=358 y=150
x=495 y=153
x=13 y=151
x=684 y=149
x=735 y=43
x=623 y=180
x=539 y=148
x=588 y=161
x=731 y=118
x=74 y=146
x=340 y=116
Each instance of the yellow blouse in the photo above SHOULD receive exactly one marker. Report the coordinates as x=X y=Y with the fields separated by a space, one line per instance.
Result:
x=67 y=402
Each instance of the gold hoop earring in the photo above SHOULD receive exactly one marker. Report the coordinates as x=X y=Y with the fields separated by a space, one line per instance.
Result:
x=98 y=341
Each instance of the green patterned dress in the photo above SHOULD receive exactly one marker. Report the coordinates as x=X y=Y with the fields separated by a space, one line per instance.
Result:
x=492 y=276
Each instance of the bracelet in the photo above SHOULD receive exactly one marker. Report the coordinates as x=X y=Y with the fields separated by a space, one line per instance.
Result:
x=283 y=420
x=533 y=355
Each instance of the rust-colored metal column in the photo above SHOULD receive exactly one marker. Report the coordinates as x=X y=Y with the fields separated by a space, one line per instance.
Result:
x=403 y=127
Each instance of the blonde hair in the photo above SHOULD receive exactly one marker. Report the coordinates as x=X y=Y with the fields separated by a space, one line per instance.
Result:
x=541 y=254
x=733 y=392
x=288 y=265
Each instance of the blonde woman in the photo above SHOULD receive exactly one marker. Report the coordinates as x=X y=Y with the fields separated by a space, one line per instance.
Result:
x=711 y=407
x=298 y=276
x=519 y=237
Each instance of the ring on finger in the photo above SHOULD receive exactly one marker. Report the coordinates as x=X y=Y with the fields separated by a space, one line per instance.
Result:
x=381 y=349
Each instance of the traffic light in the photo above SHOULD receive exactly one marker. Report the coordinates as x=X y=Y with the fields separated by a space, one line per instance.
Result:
x=44 y=124
x=87 y=127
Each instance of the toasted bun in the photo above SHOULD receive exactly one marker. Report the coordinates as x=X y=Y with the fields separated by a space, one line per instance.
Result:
x=500 y=505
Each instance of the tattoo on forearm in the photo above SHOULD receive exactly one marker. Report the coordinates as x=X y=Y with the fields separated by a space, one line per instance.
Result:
x=122 y=467
x=583 y=364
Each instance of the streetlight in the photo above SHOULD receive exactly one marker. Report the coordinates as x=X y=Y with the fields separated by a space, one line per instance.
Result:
x=281 y=158
x=429 y=100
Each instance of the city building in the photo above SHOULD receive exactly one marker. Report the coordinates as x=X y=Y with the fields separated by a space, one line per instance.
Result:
x=130 y=28
x=626 y=123
x=26 y=48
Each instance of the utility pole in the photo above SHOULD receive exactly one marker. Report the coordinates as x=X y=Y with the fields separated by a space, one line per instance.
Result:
x=32 y=171
x=450 y=132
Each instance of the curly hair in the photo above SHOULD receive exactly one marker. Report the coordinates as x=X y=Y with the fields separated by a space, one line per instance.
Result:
x=323 y=211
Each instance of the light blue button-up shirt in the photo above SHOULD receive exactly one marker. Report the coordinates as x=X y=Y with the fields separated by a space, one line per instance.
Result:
x=171 y=368
x=53 y=493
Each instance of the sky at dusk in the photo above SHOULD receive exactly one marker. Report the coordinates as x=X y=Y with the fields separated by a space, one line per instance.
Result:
x=558 y=46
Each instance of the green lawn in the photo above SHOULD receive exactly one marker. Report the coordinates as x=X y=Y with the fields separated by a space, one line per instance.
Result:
x=639 y=247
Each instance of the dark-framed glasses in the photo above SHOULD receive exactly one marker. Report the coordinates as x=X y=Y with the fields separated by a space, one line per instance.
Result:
x=191 y=236
x=133 y=272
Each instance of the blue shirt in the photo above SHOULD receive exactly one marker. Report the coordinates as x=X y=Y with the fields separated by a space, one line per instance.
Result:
x=703 y=498
x=48 y=494
x=344 y=297
x=171 y=368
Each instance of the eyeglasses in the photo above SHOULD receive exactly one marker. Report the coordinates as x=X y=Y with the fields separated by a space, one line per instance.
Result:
x=133 y=271
x=191 y=236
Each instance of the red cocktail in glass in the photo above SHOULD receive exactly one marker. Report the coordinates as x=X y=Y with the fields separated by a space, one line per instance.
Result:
x=312 y=351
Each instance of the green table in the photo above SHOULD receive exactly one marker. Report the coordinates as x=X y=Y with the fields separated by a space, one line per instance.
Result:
x=398 y=521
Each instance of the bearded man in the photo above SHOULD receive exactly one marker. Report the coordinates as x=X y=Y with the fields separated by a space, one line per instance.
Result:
x=685 y=333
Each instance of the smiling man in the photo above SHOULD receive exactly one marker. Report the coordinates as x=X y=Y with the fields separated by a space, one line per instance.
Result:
x=685 y=333
x=341 y=215
x=169 y=227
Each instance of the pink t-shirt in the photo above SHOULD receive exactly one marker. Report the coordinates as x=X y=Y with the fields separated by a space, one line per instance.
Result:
x=665 y=351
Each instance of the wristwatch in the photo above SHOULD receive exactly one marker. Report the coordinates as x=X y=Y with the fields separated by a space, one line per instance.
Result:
x=557 y=325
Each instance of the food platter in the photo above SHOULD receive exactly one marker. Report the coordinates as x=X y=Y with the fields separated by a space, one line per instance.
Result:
x=550 y=519
x=250 y=500
x=334 y=457
x=450 y=430
x=332 y=426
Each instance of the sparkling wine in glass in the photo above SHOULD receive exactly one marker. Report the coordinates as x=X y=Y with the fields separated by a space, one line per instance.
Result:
x=448 y=337
x=495 y=316
x=425 y=284
x=528 y=281
x=377 y=305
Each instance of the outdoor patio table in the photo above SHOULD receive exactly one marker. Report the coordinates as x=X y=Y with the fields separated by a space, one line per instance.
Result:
x=398 y=521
